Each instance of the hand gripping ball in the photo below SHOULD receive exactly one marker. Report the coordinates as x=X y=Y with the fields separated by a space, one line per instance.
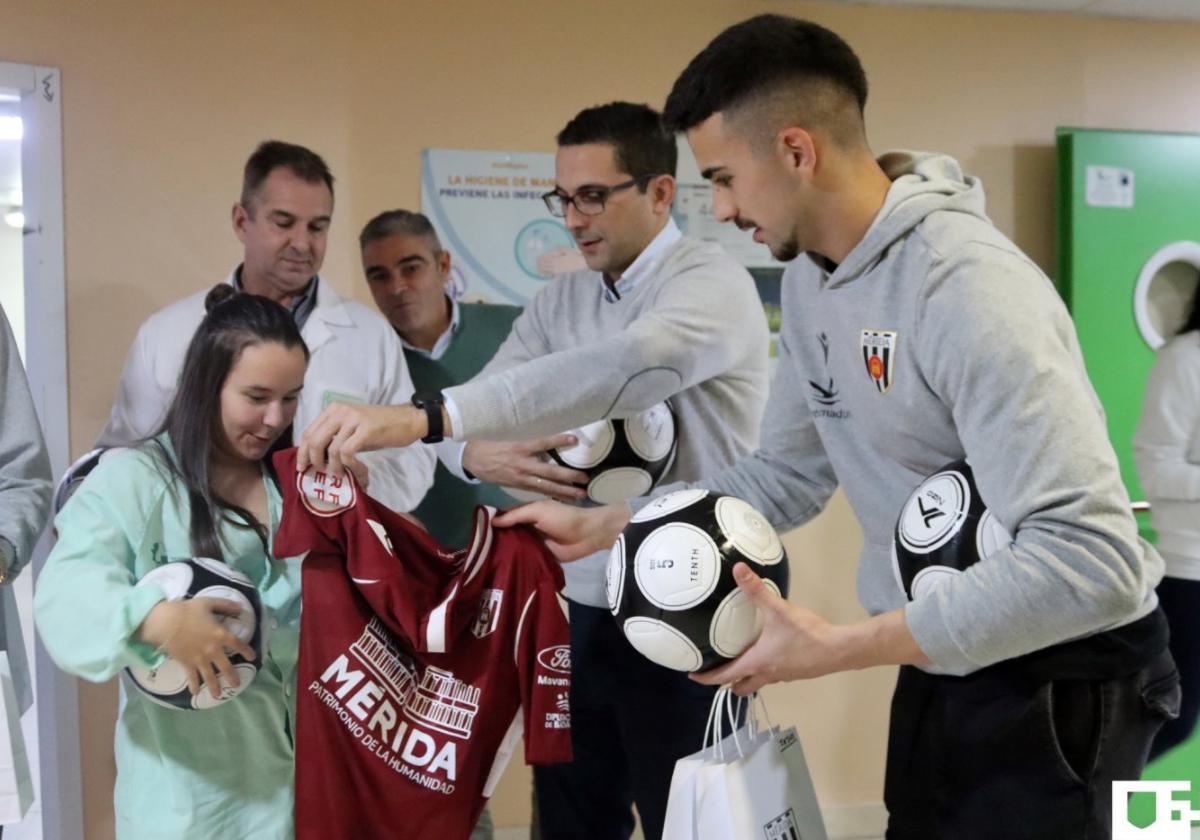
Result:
x=622 y=458
x=166 y=684
x=670 y=578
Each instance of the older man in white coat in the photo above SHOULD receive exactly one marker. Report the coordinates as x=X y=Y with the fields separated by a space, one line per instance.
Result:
x=282 y=220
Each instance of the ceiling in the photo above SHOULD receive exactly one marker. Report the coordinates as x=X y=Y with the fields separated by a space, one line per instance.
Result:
x=10 y=153
x=1149 y=9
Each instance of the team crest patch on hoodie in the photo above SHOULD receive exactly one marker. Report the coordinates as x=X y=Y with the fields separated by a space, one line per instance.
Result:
x=879 y=355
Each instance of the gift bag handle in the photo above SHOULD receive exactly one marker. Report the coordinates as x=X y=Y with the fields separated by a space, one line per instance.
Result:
x=712 y=728
x=757 y=702
x=731 y=713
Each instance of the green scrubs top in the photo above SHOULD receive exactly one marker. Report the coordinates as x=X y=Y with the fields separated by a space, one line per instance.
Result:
x=221 y=772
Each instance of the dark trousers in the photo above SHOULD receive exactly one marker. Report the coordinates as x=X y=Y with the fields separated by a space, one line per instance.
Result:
x=630 y=721
x=1180 y=600
x=1001 y=754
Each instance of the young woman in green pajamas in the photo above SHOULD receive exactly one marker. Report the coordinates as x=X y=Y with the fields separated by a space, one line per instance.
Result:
x=202 y=487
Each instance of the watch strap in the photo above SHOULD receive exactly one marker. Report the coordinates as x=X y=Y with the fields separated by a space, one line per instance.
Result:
x=431 y=403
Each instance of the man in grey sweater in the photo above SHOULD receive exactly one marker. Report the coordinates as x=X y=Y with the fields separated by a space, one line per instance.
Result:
x=1037 y=677
x=657 y=316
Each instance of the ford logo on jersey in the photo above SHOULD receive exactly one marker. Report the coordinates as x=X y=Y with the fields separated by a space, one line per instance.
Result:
x=557 y=658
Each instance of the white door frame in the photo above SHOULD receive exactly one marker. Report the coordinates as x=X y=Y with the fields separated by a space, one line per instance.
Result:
x=57 y=696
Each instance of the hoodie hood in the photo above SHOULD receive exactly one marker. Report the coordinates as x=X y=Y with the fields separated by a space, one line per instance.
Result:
x=922 y=183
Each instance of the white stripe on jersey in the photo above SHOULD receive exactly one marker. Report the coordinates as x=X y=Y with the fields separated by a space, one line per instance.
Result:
x=521 y=624
x=481 y=546
x=504 y=753
x=435 y=630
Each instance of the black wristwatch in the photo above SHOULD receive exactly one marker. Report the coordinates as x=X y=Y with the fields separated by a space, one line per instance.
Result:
x=431 y=403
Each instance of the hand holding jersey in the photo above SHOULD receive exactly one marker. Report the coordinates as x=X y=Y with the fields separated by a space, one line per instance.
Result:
x=343 y=430
x=571 y=533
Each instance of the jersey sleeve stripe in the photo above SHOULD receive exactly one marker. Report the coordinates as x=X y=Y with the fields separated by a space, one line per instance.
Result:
x=435 y=630
x=521 y=624
x=481 y=544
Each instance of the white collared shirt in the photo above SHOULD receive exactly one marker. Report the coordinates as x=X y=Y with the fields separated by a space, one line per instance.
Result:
x=646 y=262
x=443 y=342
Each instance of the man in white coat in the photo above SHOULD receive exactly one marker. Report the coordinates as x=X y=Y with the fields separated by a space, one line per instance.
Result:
x=282 y=219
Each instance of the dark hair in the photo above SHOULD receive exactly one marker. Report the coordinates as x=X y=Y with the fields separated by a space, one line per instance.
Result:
x=270 y=155
x=234 y=322
x=1193 y=319
x=641 y=145
x=759 y=57
x=397 y=223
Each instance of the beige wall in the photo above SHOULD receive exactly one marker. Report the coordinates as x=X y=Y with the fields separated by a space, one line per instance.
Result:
x=163 y=101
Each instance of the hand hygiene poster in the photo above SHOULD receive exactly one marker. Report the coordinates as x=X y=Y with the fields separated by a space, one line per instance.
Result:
x=488 y=211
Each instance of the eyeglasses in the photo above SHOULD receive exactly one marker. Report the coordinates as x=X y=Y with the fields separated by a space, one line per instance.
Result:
x=590 y=200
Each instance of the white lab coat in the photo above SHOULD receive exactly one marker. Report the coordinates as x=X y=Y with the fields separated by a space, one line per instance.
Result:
x=355 y=356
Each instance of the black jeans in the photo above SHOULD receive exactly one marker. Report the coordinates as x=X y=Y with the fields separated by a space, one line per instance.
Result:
x=1180 y=600
x=1001 y=754
x=630 y=721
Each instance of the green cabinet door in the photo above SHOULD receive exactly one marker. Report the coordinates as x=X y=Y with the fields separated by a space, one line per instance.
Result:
x=1126 y=199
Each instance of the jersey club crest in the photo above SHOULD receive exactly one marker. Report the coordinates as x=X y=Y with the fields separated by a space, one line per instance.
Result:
x=489 y=613
x=879 y=355
x=325 y=494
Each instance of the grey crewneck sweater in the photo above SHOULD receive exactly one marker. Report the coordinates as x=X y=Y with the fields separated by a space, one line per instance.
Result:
x=984 y=363
x=691 y=330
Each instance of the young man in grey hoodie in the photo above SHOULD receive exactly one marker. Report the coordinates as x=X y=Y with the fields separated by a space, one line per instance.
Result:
x=1036 y=678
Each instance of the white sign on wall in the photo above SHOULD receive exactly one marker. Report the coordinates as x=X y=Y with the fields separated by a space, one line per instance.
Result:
x=1109 y=186
x=488 y=211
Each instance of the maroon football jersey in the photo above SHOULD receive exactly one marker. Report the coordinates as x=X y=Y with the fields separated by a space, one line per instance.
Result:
x=419 y=668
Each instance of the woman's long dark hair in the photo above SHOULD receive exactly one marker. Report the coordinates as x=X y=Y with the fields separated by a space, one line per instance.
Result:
x=234 y=321
x=1193 y=319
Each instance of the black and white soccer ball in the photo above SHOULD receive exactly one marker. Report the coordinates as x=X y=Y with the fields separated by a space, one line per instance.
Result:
x=622 y=458
x=943 y=528
x=202 y=577
x=670 y=578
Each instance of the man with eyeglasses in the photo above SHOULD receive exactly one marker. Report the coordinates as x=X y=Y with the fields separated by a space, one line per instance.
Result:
x=656 y=316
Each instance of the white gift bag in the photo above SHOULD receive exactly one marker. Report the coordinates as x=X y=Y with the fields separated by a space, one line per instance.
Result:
x=16 y=785
x=693 y=773
x=762 y=790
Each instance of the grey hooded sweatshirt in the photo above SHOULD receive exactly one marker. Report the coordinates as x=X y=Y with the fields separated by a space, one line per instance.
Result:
x=977 y=357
